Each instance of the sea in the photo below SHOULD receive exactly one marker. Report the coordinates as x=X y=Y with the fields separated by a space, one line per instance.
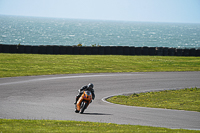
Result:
x=69 y=32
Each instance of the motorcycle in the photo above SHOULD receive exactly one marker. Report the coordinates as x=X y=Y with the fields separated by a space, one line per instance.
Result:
x=83 y=102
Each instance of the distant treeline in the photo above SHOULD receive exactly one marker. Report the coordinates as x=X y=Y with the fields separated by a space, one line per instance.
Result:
x=98 y=50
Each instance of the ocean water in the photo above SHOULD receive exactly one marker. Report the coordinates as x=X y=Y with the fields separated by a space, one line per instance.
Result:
x=58 y=31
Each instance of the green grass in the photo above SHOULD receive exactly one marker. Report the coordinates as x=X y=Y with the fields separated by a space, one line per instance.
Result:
x=7 y=125
x=12 y=65
x=184 y=99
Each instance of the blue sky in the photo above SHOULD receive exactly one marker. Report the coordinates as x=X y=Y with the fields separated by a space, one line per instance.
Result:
x=178 y=11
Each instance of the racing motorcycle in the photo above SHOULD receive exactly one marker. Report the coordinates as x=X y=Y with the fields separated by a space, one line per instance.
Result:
x=83 y=102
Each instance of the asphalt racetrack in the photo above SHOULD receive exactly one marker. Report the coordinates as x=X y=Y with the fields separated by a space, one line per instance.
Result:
x=52 y=97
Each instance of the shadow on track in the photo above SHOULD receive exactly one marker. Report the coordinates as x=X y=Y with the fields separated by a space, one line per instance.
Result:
x=96 y=114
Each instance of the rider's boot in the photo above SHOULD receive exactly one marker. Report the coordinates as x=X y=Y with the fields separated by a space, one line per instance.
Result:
x=76 y=111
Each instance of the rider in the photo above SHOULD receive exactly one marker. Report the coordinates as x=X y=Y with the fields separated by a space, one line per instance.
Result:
x=89 y=87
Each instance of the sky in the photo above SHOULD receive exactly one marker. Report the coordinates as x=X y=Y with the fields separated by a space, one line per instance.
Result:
x=176 y=11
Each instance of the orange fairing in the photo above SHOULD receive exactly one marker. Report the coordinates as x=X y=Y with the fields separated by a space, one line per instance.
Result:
x=86 y=97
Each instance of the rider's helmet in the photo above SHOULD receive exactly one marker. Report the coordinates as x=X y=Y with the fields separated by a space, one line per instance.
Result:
x=90 y=86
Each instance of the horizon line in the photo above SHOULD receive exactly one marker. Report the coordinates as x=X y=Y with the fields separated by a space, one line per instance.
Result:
x=101 y=19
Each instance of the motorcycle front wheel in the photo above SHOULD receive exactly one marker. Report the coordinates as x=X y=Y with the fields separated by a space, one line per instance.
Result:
x=83 y=107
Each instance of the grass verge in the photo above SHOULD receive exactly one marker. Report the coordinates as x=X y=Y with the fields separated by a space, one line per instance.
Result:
x=184 y=99
x=12 y=65
x=7 y=125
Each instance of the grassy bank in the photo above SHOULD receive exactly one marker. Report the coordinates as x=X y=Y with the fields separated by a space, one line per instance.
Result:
x=184 y=99
x=34 y=64
x=76 y=126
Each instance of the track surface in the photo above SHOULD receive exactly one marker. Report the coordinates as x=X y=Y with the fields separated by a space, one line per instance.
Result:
x=52 y=97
